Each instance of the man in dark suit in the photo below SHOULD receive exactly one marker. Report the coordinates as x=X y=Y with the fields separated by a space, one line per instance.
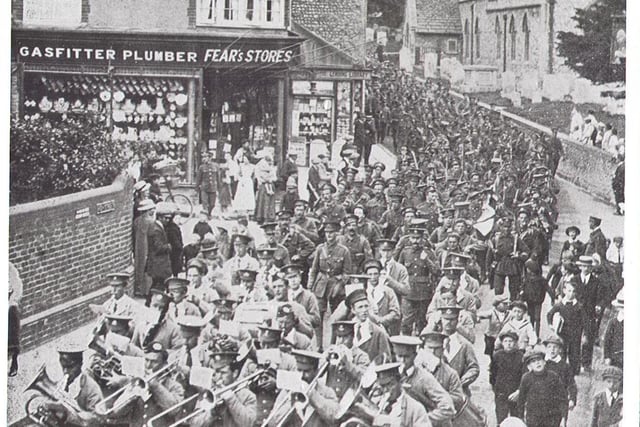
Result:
x=593 y=297
x=158 y=260
x=597 y=243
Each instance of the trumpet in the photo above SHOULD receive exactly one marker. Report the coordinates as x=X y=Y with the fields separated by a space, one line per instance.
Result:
x=45 y=386
x=205 y=400
x=115 y=403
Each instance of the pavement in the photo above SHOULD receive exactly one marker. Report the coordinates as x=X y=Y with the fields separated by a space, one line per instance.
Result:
x=575 y=207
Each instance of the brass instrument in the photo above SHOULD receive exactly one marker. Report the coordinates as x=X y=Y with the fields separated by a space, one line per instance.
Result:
x=105 y=365
x=299 y=397
x=205 y=400
x=45 y=386
x=115 y=403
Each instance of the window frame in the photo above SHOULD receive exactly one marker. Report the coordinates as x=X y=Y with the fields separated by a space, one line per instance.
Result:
x=234 y=13
x=456 y=49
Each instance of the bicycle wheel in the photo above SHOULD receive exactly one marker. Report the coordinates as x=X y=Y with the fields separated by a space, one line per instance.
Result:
x=184 y=205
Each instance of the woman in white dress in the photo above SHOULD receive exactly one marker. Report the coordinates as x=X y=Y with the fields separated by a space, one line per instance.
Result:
x=244 y=201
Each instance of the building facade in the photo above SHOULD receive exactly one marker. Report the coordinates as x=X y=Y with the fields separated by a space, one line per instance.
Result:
x=517 y=37
x=174 y=77
x=432 y=31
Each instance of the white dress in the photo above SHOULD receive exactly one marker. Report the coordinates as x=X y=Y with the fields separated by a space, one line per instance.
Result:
x=245 y=198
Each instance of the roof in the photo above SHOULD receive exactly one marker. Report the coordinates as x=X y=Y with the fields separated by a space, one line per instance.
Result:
x=338 y=22
x=438 y=17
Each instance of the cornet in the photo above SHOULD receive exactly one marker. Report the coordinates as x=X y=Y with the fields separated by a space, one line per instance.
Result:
x=114 y=404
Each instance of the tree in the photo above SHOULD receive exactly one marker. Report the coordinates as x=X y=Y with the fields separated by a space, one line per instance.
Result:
x=589 y=53
x=51 y=159
x=392 y=12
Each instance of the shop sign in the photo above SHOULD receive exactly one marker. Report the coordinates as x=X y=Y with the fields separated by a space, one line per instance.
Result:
x=331 y=75
x=189 y=53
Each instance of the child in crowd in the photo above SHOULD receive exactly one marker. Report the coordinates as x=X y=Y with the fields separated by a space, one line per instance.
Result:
x=506 y=371
x=521 y=325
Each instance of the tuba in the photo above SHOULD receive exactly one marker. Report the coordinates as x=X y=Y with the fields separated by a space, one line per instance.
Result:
x=52 y=392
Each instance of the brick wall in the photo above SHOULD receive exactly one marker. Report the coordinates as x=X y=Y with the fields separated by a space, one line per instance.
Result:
x=63 y=247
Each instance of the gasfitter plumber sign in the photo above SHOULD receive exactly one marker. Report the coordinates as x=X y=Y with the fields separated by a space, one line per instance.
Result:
x=194 y=54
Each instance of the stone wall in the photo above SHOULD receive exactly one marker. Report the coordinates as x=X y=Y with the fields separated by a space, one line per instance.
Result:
x=589 y=168
x=63 y=247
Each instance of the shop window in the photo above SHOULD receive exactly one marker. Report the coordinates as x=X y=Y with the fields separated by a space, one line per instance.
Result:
x=452 y=46
x=56 y=12
x=238 y=13
x=151 y=113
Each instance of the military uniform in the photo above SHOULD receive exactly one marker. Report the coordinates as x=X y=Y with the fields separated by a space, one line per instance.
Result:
x=393 y=220
x=340 y=379
x=421 y=288
x=376 y=207
x=358 y=247
x=297 y=244
x=207 y=182
x=330 y=263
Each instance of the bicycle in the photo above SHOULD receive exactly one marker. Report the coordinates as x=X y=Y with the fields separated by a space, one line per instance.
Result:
x=169 y=170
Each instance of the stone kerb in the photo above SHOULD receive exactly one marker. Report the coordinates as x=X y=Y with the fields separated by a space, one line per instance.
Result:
x=62 y=248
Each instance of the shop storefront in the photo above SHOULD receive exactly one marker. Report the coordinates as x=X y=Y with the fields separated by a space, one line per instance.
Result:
x=170 y=96
x=322 y=107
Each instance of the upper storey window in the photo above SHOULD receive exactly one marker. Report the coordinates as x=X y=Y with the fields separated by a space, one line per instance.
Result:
x=52 y=12
x=241 y=13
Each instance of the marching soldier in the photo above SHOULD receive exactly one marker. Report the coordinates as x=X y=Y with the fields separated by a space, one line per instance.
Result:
x=394 y=217
x=191 y=353
x=328 y=208
x=180 y=305
x=81 y=389
x=423 y=386
x=506 y=259
x=268 y=272
x=302 y=224
x=208 y=182
x=357 y=244
x=347 y=363
x=252 y=292
x=281 y=255
x=120 y=303
x=458 y=352
x=162 y=330
x=377 y=205
x=288 y=322
x=232 y=408
x=304 y=297
x=369 y=337
x=295 y=242
x=421 y=289
x=399 y=409
x=331 y=262
x=241 y=259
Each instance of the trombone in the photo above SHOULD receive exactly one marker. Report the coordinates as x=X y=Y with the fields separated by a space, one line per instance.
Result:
x=212 y=399
x=301 y=397
x=113 y=404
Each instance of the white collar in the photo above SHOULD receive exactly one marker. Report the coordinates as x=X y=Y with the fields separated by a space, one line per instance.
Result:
x=569 y=302
x=556 y=359
x=610 y=396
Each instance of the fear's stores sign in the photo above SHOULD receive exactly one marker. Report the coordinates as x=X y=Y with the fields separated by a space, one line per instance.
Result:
x=128 y=53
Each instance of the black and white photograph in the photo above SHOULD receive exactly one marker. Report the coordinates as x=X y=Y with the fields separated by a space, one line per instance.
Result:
x=320 y=213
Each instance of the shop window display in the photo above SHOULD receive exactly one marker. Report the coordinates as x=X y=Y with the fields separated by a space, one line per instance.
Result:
x=151 y=113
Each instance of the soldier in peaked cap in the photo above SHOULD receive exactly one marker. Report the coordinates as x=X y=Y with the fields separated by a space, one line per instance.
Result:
x=305 y=298
x=357 y=244
x=403 y=409
x=347 y=363
x=459 y=352
x=162 y=329
x=120 y=303
x=327 y=206
x=180 y=305
x=597 y=243
x=331 y=262
x=392 y=218
x=292 y=239
x=80 y=386
x=420 y=267
x=252 y=292
x=241 y=259
x=281 y=255
x=302 y=224
x=288 y=322
x=377 y=204
x=268 y=272
x=423 y=386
